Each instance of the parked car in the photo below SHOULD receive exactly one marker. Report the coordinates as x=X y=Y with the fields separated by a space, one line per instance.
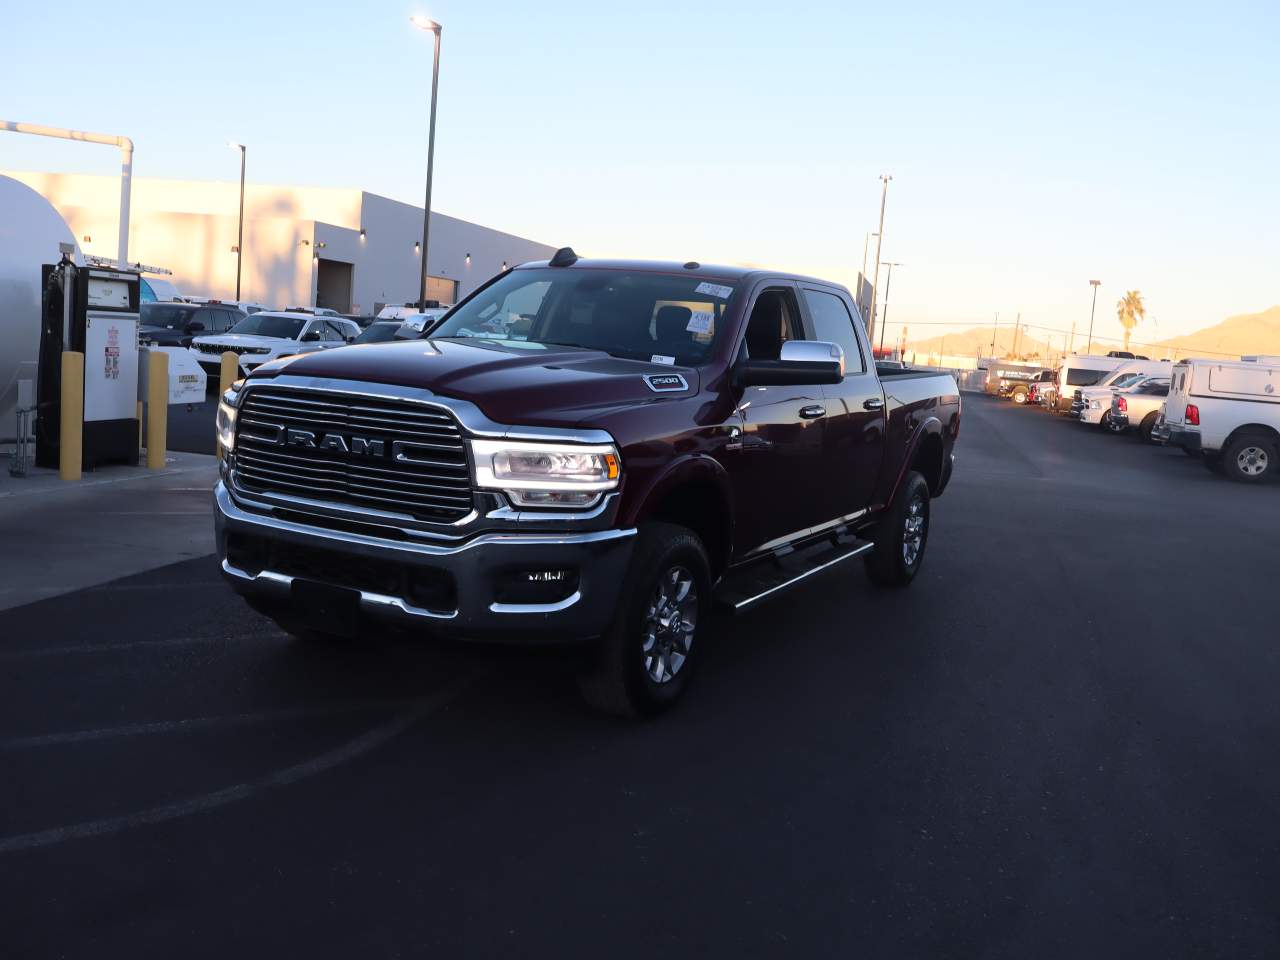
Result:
x=1139 y=409
x=1124 y=376
x=315 y=311
x=244 y=306
x=1079 y=371
x=1028 y=392
x=1227 y=412
x=383 y=331
x=398 y=311
x=177 y=324
x=583 y=451
x=268 y=335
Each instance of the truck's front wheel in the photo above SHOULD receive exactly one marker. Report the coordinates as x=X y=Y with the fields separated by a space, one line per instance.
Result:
x=644 y=661
x=901 y=535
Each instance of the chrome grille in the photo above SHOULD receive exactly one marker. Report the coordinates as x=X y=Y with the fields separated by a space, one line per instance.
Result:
x=430 y=480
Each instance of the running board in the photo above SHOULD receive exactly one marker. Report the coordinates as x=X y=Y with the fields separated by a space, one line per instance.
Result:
x=766 y=577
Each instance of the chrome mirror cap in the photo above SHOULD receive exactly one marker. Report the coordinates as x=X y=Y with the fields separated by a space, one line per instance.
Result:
x=813 y=351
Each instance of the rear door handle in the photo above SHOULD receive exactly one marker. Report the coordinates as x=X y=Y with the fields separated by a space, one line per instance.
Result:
x=813 y=412
x=873 y=403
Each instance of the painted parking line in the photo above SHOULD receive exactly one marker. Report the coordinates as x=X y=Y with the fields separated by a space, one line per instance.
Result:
x=366 y=742
x=128 y=645
x=193 y=724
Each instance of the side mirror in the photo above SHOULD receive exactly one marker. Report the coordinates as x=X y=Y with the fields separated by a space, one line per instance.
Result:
x=801 y=362
x=195 y=327
x=311 y=337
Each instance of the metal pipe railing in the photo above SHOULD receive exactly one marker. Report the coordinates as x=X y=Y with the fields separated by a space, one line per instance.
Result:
x=126 y=168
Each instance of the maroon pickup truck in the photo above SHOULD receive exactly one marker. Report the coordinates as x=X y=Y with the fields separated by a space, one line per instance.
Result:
x=584 y=450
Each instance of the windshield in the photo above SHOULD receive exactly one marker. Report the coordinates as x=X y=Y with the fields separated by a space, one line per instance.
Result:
x=1126 y=380
x=170 y=316
x=657 y=317
x=382 y=332
x=270 y=325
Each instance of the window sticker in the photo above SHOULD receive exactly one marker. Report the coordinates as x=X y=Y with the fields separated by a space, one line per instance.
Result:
x=659 y=358
x=715 y=289
x=700 y=321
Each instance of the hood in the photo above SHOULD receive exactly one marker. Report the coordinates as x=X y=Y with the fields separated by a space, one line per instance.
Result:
x=534 y=384
x=164 y=336
x=242 y=340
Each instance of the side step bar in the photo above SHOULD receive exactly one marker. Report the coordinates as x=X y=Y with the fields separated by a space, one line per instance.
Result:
x=740 y=590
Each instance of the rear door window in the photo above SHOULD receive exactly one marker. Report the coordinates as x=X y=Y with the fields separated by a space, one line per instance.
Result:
x=833 y=323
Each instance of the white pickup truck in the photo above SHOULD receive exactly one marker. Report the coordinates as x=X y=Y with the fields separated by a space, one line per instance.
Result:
x=1227 y=411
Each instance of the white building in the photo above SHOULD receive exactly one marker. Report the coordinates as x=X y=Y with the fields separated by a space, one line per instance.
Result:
x=333 y=247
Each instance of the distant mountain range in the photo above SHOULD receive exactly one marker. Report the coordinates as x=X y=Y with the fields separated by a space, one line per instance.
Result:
x=1246 y=333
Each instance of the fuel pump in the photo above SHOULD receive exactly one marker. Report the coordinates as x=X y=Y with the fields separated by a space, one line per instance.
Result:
x=93 y=310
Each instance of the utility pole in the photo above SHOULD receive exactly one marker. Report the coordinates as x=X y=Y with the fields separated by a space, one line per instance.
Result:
x=240 y=228
x=884 y=321
x=1095 y=284
x=430 y=26
x=1072 y=344
x=862 y=277
x=1017 y=330
x=995 y=324
x=875 y=284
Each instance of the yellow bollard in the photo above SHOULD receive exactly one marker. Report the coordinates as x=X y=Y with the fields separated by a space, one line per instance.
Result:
x=227 y=375
x=139 y=426
x=71 y=429
x=157 y=408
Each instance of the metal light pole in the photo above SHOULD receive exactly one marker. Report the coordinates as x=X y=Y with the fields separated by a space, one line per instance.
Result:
x=995 y=324
x=422 y=23
x=1095 y=284
x=875 y=284
x=866 y=241
x=888 y=282
x=240 y=229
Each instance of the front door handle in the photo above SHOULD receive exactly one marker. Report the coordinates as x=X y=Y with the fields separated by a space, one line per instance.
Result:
x=813 y=412
x=873 y=403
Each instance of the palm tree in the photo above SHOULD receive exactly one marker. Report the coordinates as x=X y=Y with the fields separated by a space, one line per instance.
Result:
x=1130 y=309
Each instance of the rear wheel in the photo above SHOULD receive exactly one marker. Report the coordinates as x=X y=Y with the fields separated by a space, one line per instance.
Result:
x=1148 y=424
x=644 y=661
x=901 y=536
x=1250 y=458
x=1019 y=397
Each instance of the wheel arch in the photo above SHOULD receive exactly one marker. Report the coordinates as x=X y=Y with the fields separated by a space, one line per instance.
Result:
x=693 y=492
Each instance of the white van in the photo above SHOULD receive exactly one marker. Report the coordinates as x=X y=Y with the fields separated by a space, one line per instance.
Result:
x=1228 y=411
x=1081 y=371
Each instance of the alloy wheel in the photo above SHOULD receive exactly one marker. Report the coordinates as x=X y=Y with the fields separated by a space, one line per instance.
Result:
x=913 y=531
x=669 y=625
x=1252 y=461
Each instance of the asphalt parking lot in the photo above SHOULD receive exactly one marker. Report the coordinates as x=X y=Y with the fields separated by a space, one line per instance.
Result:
x=1060 y=742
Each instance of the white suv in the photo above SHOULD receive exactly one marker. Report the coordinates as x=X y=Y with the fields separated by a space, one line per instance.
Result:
x=267 y=335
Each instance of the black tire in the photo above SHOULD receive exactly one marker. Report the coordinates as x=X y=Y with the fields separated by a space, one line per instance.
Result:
x=637 y=671
x=891 y=564
x=1105 y=422
x=1146 y=426
x=1251 y=458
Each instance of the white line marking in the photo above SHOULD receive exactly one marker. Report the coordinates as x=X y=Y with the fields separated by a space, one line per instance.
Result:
x=136 y=644
x=199 y=723
x=208 y=801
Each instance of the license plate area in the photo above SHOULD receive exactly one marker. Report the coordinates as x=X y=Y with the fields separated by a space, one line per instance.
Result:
x=326 y=607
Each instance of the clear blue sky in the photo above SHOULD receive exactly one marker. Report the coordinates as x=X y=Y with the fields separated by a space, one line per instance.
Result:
x=1033 y=146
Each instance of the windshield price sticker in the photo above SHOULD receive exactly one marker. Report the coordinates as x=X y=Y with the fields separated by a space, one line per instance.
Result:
x=714 y=289
x=700 y=322
x=659 y=358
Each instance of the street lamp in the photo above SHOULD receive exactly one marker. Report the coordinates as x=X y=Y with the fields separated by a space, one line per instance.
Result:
x=1095 y=284
x=875 y=284
x=884 y=321
x=422 y=23
x=239 y=230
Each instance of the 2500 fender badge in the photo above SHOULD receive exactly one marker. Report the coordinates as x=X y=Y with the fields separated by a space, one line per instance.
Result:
x=664 y=382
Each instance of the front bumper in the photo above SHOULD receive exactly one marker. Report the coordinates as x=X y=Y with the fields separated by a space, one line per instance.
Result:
x=449 y=589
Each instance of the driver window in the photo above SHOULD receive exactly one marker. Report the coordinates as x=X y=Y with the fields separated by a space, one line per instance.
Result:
x=774 y=320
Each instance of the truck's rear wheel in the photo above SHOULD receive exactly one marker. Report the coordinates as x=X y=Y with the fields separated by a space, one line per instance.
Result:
x=644 y=662
x=1250 y=458
x=1148 y=424
x=901 y=536
x=1019 y=396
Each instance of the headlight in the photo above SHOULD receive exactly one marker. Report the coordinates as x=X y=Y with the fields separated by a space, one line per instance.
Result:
x=226 y=426
x=547 y=474
x=1094 y=405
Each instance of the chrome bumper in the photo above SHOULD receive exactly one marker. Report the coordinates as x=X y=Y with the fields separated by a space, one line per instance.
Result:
x=598 y=558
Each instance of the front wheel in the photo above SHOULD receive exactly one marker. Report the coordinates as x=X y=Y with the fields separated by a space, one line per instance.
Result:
x=901 y=536
x=644 y=661
x=1019 y=397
